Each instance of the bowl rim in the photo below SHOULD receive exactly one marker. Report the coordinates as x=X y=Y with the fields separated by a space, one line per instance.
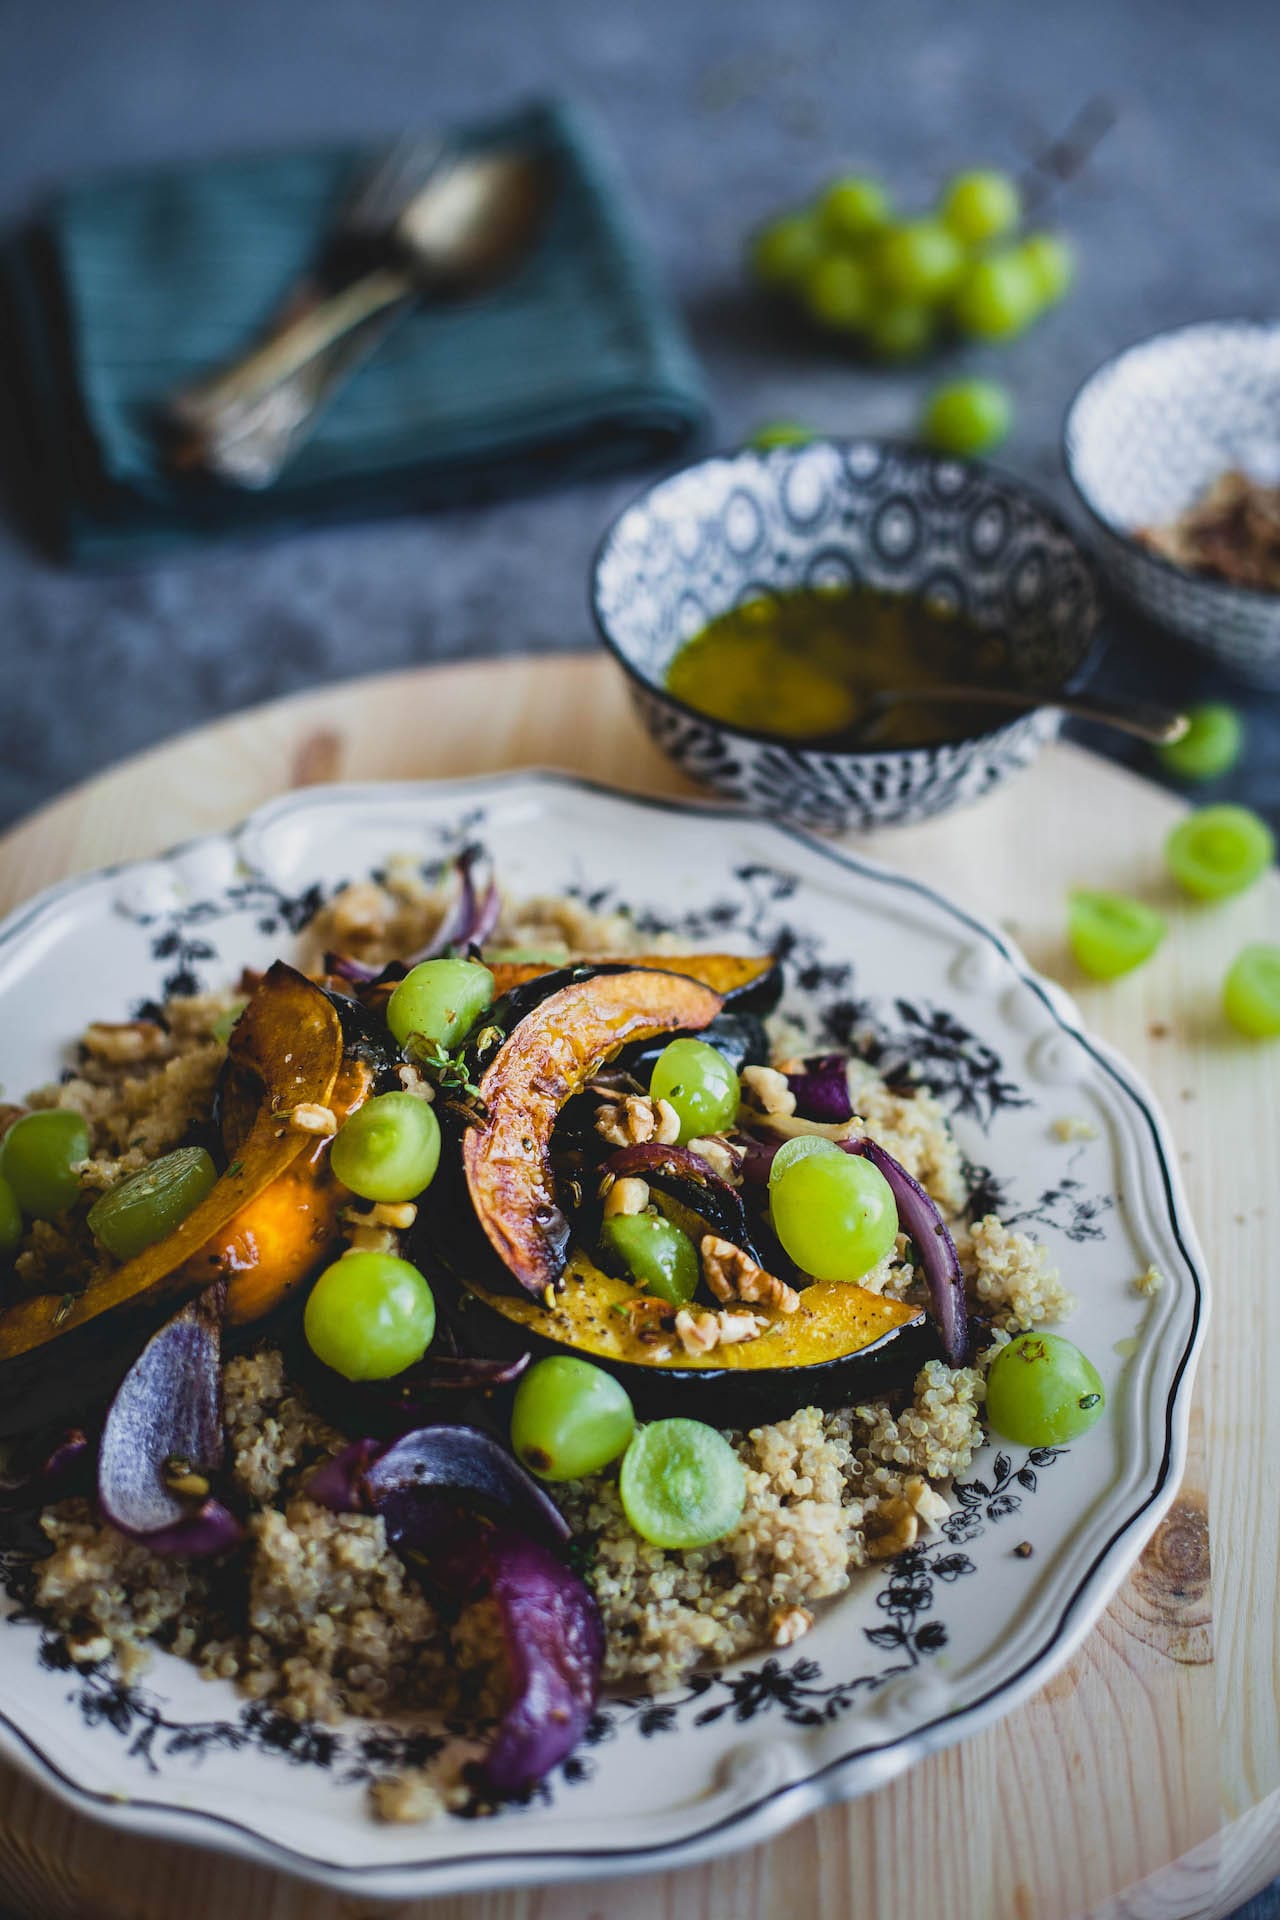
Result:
x=1094 y=648
x=1222 y=589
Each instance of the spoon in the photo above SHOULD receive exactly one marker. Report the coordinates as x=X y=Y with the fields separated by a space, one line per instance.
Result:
x=1146 y=721
x=469 y=222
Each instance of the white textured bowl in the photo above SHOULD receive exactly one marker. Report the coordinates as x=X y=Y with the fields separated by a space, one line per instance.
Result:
x=1144 y=437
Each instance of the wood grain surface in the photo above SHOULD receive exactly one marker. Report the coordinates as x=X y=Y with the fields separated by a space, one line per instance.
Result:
x=1144 y=1781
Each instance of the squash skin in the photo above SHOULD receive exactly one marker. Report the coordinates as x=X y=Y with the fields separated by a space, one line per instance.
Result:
x=868 y=1345
x=745 y=982
x=546 y=1058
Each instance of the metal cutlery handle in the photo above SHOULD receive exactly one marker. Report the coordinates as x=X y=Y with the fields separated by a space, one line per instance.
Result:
x=208 y=406
x=1144 y=719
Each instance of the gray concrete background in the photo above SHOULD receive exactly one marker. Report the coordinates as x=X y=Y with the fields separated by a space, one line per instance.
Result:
x=721 y=112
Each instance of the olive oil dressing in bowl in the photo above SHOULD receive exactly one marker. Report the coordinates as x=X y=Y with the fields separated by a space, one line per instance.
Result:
x=761 y=604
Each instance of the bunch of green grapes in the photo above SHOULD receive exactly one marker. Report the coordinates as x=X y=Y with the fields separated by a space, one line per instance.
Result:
x=895 y=286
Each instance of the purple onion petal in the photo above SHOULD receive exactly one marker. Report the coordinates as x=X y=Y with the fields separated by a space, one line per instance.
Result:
x=457 y=929
x=486 y=917
x=470 y=1466
x=555 y=1646
x=45 y=1468
x=918 y=1216
x=757 y=1163
x=338 y=1483
x=344 y=967
x=168 y=1406
x=822 y=1089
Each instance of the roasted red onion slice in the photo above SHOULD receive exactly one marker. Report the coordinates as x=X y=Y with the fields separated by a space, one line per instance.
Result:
x=165 y=1425
x=918 y=1215
x=449 y=1464
x=473 y=915
x=822 y=1089
x=44 y=1467
x=554 y=1645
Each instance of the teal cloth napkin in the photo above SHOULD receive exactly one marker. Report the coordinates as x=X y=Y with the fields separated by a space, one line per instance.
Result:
x=129 y=287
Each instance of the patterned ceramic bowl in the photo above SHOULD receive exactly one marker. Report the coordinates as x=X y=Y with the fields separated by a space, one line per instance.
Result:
x=1145 y=436
x=830 y=514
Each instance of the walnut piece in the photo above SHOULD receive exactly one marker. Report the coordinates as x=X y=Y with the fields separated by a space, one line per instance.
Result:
x=732 y=1274
x=626 y=1196
x=415 y=1082
x=925 y=1501
x=724 y=1161
x=311 y=1117
x=636 y=1119
x=768 y=1089
x=786 y=1624
x=370 y=1239
x=122 y=1043
x=701 y=1331
x=398 y=1214
x=891 y=1529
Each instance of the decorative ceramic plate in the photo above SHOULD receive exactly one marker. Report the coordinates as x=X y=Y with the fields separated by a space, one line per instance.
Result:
x=918 y=1653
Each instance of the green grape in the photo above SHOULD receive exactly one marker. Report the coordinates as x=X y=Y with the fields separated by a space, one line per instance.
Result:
x=569 y=1419
x=440 y=1000
x=1211 y=745
x=37 y=1158
x=1042 y=1391
x=981 y=206
x=967 y=416
x=1251 y=991
x=902 y=330
x=780 y=433
x=834 y=1214
x=798 y=1148
x=224 y=1025
x=995 y=298
x=369 y=1316
x=1219 y=851
x=1110 y=933
x=388 y=1149
x=148 y=1207
x=524 y=956
x=682 y=1485
x=837 y=292
x=782 y=252
x=1051 y=264
x=10 y=1219
x=854 y=208
x=699 y=1083
x=918 y=262
x=660 y=1258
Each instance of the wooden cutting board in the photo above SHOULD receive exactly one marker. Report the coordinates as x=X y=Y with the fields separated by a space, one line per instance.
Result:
x=1145 y=1780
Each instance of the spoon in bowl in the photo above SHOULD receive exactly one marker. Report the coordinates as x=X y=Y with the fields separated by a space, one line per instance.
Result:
x=1143 y=719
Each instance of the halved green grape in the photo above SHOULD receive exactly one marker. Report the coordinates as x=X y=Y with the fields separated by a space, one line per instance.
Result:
x=1251 y=991
x=224 y=1025
x=967 y=416
x=569 y=1418
x=995 y=298
x=440 y=1000
x=1211 y=745
x=837 y=292
x=798 y=1149
x=834 y=1214
x=1042 y=1391
x=980 y=206
x=919 y=261
x=1219 y=851
x=682 y=1485
x=147 y=1207
x=37 y=1158
x=1051 y=264
x=780 y=433
x=369 y=1316
x=661 y=1259
x=699 y=1083
x=782 y=252
x=10 y=1219
x=388 y=1149
x=901 y=330
x=1110 y=934
x=854 y=208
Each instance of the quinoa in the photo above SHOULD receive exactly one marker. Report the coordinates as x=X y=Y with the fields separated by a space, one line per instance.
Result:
x=315 y=1612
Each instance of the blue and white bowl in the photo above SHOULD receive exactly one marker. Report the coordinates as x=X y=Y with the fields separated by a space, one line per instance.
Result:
x=1145 y=436
x=856 y=512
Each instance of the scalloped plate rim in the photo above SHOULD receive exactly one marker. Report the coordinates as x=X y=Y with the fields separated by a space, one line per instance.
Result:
x=845 y=1777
